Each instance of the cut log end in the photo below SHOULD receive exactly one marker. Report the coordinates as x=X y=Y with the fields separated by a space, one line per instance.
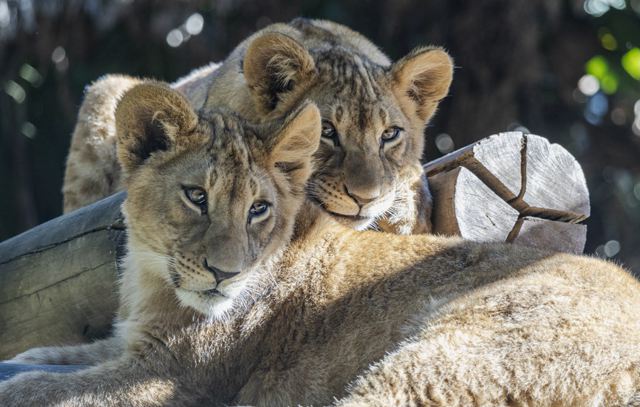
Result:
x=467 y=207
x=546 y=234
x=511 y=187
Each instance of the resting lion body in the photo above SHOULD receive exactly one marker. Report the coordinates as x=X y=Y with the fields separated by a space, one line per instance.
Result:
x=307 y=311
x=364 y=174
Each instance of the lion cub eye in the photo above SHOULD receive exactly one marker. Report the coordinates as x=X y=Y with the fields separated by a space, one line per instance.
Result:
x=391 y=134
x=258 y=212
x=329 y=133
x=197 y=196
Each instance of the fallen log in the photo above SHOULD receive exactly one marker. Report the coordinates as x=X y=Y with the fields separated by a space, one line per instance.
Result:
x=59 y=278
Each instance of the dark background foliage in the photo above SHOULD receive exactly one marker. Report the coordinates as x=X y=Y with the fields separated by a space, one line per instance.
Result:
x=567 y=70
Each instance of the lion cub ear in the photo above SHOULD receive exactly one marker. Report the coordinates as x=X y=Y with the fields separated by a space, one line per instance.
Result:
x=278 y=69
x=421 y=79
x=292 y=148
x=151 y=117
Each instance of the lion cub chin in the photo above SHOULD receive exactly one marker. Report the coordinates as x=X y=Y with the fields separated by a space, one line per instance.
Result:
x=214 y=299
x=218 y=302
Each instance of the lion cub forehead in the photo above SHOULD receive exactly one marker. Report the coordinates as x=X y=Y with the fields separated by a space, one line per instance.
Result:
x=353 y=76
x=232 y=153
x=230 y=139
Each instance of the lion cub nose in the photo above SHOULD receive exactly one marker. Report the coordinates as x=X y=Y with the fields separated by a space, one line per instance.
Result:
x=218 y=274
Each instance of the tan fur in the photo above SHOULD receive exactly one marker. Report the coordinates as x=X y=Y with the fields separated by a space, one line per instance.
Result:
x=92 y=171
x=360 y=180
x=422 y=320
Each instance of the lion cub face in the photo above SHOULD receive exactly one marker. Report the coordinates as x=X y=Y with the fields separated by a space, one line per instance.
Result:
x=373 y=117
x=210 y=197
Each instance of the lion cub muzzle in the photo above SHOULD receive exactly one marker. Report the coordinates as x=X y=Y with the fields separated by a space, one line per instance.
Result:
x=218 y=274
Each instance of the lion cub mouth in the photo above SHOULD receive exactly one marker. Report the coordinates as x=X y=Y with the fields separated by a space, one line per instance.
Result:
x=349 y=217
x=213 y=293
x=207 y=292
x=324 y=207
x=358 y=222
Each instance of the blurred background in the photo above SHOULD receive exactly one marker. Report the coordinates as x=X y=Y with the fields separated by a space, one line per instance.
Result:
x=567 y=70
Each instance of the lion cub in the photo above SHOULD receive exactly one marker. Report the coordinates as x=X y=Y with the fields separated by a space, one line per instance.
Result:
x=374 y=114
x=238 y=291
x=211 y=204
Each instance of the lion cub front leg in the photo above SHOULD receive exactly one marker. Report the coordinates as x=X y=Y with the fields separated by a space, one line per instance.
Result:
x=86 y=354
x=124 y=382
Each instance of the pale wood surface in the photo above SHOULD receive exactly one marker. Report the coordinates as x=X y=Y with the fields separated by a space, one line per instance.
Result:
x=555 y=181
x=58 y=280
x=550 y=234
x=497 y=161
x=467 y=207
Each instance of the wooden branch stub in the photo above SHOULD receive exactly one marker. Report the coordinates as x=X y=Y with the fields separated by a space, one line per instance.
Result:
x=511 y=187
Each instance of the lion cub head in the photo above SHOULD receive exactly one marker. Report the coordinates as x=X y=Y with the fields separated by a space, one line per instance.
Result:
x=209 y=196
x=373 y=112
